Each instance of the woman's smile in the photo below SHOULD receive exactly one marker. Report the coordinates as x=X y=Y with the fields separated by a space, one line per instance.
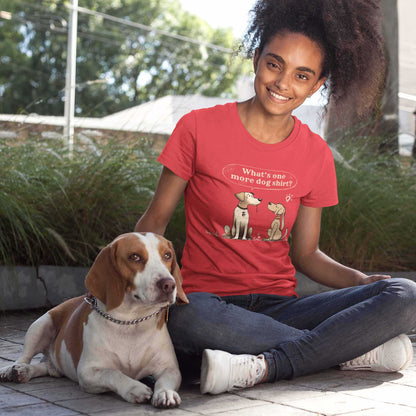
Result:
x=278 y=96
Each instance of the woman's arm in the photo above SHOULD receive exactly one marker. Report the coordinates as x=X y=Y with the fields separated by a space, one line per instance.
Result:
x=309 y=260
x=160 y=210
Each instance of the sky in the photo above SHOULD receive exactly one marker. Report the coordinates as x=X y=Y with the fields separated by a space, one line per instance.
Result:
x=222 y=13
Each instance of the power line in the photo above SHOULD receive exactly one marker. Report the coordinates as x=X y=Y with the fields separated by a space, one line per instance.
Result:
x=151 y=29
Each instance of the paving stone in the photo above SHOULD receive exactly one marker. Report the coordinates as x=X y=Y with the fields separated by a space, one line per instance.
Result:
x=389 y=393
x=47 y=409
x=408 y=378
x=4 y=362
x=267 y=410
x=12 y=334
x=386 y=410
x=10 y=398
x=207 y=404
x=108 y=402
x=280 y=392
x=35 y=384
x=147 y=410
x=330 y=403
x=52 y=393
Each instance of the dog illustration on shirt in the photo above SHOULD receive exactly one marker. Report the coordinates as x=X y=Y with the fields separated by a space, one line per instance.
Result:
x=275 y=232
x=240 y=229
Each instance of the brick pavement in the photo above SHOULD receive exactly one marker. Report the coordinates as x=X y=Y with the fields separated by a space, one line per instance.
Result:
x=330 y=392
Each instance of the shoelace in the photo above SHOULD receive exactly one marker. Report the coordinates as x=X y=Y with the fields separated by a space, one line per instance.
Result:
x=245 y=371
x=367 y=359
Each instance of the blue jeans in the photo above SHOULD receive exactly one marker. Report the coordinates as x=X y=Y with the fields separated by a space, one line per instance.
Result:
x=297 y=336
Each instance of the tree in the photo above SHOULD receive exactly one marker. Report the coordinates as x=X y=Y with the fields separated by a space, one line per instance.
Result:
x=117 y=66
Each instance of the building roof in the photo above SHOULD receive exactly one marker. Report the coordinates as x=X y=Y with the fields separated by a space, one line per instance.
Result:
x=160 y=116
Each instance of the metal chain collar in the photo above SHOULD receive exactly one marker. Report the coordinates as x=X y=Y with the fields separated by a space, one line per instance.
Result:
x=92 y=301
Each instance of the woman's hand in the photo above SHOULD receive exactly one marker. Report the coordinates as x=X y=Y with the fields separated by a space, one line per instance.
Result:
x=309 y=260
x=366 y=280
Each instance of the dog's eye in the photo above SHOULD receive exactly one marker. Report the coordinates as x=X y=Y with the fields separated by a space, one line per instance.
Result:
x=167 y=256
x=135 y=257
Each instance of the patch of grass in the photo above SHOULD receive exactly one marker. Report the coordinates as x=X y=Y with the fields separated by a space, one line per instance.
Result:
x=373 y=228
x=61 y=210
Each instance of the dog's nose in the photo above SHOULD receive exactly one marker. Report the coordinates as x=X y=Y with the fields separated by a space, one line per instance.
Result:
x=166 y=285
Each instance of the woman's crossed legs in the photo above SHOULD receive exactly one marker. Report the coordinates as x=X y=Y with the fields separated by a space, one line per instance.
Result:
x=297 y=336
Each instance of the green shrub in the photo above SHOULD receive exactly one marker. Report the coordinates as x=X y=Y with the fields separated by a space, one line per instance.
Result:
x=373 y=228
x=57 y=209
x=61 y=210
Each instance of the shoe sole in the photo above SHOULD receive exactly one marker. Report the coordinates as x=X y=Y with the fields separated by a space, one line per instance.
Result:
x=407 y=345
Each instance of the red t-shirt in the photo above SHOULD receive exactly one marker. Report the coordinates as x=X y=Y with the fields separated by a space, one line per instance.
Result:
x=242 y=199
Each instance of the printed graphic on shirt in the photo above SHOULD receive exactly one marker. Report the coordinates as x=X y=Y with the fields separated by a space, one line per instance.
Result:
x=240 y=228
x=275 y=232
x=269 y=228
x=257 y=178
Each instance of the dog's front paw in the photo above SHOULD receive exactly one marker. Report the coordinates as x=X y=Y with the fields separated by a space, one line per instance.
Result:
x=16 y=373
x=138 y=394
x=166 y=398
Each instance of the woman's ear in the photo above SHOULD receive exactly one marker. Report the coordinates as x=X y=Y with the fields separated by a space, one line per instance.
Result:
x=318 y=85
x=256 y=59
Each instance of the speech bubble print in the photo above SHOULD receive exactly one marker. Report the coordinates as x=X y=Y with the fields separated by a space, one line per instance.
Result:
x=257 y=178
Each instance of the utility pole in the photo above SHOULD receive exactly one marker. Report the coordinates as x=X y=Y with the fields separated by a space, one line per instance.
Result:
x=71 y=68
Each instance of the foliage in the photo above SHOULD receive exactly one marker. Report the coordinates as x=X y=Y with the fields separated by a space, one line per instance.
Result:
x=118 y=66
x=57 y=209
x=373 y=228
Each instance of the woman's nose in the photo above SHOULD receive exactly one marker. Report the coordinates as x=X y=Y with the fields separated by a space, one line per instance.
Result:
x=282 y=81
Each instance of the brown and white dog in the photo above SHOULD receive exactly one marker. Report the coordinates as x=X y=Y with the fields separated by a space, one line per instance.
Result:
x=117 y=335
x=275 y=232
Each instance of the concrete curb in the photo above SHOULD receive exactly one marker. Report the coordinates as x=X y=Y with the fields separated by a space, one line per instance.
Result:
x=30 y=287
x=46 y=286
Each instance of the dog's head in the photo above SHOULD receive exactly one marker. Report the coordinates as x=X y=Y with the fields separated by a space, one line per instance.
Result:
x=277 y=209
x=141 y=265
x=247 y=198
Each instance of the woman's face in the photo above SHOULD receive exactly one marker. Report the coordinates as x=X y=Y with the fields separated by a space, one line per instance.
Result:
x=287 y=71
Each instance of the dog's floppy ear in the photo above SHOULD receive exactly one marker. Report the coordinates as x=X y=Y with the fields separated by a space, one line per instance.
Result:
x=240 y=196
x=176 y=273
x=103 y=279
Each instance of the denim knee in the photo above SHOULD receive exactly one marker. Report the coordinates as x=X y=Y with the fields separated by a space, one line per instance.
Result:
x=186 y=322
x=405 y=290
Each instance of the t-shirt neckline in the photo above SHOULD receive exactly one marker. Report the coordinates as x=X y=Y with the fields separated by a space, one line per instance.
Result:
x=260 y=145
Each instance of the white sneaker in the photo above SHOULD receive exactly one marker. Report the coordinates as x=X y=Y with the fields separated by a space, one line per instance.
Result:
x=221 y=371
x=394 y=355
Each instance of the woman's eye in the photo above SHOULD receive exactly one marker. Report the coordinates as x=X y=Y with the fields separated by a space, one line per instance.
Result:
x=273 y=65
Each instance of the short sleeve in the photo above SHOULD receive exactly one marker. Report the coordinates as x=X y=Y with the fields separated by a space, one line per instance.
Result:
x=180 y=150
x=323 y=192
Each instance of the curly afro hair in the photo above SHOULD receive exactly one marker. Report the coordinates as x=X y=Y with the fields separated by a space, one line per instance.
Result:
x=348 y=31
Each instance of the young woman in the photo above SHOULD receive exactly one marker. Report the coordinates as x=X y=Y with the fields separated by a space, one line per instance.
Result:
x=252 y=175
